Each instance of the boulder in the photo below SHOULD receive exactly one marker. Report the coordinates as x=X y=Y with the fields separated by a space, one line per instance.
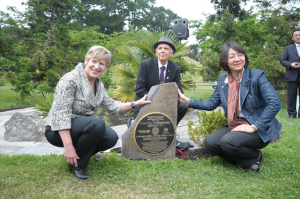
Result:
x=25 y=127
x=153 y=133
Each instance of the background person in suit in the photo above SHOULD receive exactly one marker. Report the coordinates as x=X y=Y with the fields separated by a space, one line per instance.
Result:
x=291 y=61
x=159 y=70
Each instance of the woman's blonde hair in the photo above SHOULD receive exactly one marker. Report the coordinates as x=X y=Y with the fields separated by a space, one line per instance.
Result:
x=99 y=53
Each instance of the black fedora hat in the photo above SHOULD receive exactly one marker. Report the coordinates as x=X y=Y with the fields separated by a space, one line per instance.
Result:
x=165 y=40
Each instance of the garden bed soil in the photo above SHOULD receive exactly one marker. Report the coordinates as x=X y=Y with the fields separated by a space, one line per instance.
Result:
x=195 y=154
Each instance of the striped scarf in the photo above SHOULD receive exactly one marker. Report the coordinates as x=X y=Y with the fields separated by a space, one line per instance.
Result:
x=233 y=101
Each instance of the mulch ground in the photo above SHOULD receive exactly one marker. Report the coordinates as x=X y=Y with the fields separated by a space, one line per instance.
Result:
x=195 y=154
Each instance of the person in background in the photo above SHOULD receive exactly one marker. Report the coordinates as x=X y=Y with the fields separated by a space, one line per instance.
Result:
x=71 y=123
x=159 y=70
x=250 y=104
x=291 y=61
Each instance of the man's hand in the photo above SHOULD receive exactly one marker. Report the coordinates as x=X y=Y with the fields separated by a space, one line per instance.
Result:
x=295 y=65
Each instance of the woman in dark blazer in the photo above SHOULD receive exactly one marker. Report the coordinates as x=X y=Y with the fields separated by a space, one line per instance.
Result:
x=250 y=104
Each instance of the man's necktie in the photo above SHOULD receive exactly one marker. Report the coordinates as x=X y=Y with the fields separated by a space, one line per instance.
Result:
x=162 y=76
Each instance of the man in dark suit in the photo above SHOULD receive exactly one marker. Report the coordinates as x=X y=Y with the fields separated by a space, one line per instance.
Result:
x=159 y=70
x=291 y=61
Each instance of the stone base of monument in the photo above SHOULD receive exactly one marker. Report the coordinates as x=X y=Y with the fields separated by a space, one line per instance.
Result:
x=153 y=133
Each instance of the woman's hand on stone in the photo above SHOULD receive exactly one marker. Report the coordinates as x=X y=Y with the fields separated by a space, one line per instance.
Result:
x=142 y=101
x=183 y=98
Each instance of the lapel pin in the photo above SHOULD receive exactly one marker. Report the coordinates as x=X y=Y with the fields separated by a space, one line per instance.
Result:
x=167 y=77
x=168 y=70
x=222 y=86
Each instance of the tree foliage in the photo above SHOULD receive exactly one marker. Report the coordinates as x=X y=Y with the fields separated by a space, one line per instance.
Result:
x=46 y=41
x=263 y=35
x=159 y=19
x=40 y=45
x=231 y=6
x=112 y=15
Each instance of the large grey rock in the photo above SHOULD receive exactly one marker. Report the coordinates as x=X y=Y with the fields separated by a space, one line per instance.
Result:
x=25 y=127
x=155 y=135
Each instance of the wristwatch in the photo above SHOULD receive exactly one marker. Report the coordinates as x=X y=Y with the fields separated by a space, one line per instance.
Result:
x=132 y=105
x=254 y=127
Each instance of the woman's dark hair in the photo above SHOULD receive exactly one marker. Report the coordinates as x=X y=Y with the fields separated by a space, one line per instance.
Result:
x=224 y=54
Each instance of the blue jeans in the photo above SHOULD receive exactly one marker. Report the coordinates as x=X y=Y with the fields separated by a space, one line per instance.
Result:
x=89 y=136
x=236 y=147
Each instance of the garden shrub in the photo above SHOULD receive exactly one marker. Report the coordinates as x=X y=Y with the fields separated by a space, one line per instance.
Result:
x=44 y=87
x=42 y=102
x=11 y=77
x=208 y=123
x=5 y=78
x=106 y=79
x=2 y=82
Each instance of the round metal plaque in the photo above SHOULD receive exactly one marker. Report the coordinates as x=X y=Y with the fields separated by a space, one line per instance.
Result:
x=154 y=134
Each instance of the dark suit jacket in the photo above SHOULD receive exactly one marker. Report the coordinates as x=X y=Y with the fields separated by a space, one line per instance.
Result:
x=289 y=56
x=148 y=76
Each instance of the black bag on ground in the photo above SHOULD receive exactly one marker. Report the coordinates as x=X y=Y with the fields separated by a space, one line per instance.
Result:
x=183 y=145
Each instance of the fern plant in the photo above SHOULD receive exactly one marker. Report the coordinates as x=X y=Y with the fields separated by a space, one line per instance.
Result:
x=208 y=123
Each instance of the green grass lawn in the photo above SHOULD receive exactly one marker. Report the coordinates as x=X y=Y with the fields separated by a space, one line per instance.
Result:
x=30 y=176
x=10 y=98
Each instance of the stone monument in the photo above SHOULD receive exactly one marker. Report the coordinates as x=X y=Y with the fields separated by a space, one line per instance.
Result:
x=153 y=133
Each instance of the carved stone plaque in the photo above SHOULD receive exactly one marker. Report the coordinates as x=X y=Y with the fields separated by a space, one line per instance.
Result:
x=154 y=133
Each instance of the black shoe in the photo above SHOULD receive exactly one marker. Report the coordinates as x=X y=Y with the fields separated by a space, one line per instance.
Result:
x=257 y=162
x=79 y=172
x=292 y=116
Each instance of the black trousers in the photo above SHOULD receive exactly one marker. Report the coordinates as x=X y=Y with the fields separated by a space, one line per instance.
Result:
x=236 y=147
x=182 y=108
x=89 y=135
x=292 y=96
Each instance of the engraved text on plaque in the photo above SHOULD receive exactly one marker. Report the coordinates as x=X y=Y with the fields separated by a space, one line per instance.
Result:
x=154 y=133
